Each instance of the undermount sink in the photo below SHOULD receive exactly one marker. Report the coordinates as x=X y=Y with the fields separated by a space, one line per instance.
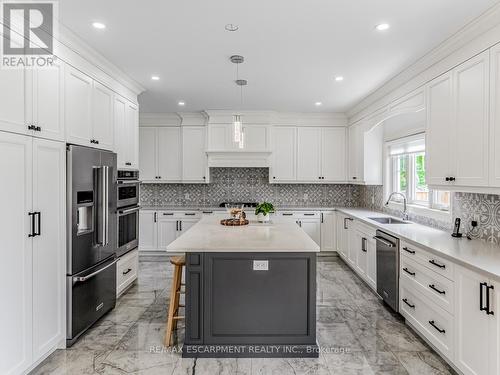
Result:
x=388 y=220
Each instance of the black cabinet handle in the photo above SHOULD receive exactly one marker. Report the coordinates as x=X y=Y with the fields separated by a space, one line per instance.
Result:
x=408 y=250
x=168 y=214
x=447 y=179
x=127 y=271
x=363 y=244
x=409 y=272
x=285 y=214
x=32 y=229
x=488 y=311
x=354 y=178
x=433 y=323
x=408 y=303
x=128 y=163
x=204 y=178
x=308 y=214
x=189 y=213
x=155 y=216
x=452 y=178
x=481 y=294
x=322 y=218
x=180 y=225
x=433 y=287
x=433 y=262
x=274 y=178
x=207 y=212
x=177 y=226
x=39 y=223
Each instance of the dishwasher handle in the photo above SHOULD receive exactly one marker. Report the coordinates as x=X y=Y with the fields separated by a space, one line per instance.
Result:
x=384 y=241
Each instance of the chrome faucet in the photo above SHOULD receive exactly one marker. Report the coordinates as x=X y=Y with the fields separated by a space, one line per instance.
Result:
x=405 y=211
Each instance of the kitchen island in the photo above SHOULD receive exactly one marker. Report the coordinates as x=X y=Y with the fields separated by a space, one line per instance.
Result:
x=250 y=290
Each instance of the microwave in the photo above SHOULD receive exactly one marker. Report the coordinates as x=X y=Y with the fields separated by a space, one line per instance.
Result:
x=127 y=189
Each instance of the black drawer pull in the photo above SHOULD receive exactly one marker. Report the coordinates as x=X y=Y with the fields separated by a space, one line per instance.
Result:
x=189 y=213
x=408 y=303
x=408 y=272
x=287 y=214
x=168 y=213
x=433 y=262
x=433 y=287
x=408 y=250
x=432 y=323
x=309 y=214
x=208 y=212
x=127 y=271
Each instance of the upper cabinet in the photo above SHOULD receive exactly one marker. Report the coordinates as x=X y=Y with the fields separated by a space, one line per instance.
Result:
x=284 y=156
x=126 y=130
x=494 y=156
x=365 y=153
x=458 y=126
x=102 y=116
x=220 y=138
x=173 y=154
x=309 y=154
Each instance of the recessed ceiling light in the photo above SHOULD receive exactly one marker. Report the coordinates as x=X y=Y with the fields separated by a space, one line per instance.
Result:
x=383 y=27
x=231 y=27
x=182 y=103
x=155 y=78
x=317 y=104
x=339 y=78
x=99 y=25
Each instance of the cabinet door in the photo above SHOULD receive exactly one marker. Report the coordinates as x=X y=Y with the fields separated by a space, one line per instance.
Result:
x=360 y=248
x=333 y=153
x=148 y=230
x=494 y=342
x=132 y=135
x=355 y=156
x=102 y=116
x=169 y=154
x=473 y=325
x=328 y=226
x=194 y=156
x=148 y=151
x=120 y=130
x=255 y=138
x=16 y=276
x=471 y=125
x=186 y=224
x=352 y=243
x=48 y=102
x=495 y=117
x=219 y=137
x=78 y=106
x=341 y=236
x=308 y=154
x=168 y=230
x=371 y=268
x=439 y=134
x=14 y=98
x=313 y=228
x=49 y=248
x=284 y=163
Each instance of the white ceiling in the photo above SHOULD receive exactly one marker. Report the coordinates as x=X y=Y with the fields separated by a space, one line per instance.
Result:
x=293 y=48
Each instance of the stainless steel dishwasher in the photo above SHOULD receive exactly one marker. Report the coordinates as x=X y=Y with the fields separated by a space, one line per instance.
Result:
x=388 y=268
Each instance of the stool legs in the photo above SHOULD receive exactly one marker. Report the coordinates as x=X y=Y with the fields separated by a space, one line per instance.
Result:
x=173 y=307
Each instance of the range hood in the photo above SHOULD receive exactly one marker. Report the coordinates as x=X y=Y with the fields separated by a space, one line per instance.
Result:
x=239 y=159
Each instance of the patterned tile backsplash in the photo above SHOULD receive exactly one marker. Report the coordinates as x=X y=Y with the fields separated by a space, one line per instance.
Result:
x=248 y=185
x=484 y=208
x=252 y=185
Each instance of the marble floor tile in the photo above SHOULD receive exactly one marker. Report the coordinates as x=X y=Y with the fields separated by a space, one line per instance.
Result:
x=357 y=333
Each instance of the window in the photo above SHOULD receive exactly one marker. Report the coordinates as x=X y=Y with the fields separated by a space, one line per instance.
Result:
x=407 y=174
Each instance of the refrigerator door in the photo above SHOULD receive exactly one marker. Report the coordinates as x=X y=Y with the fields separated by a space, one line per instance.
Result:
x=91 y=178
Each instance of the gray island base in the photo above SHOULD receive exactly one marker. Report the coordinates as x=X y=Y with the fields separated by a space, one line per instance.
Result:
x=250 y=304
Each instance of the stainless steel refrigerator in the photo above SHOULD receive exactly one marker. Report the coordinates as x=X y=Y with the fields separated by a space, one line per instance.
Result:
x=92 y=237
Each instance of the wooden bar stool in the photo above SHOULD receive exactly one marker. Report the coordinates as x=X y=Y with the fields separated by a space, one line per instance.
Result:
x=179 y=262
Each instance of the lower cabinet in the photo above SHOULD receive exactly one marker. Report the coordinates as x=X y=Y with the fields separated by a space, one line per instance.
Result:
x=157 y=229
x=127 y=269
x=328 y=231
x=33 y=222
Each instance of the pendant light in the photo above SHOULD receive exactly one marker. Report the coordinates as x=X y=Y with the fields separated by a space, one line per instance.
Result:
x=238 y=133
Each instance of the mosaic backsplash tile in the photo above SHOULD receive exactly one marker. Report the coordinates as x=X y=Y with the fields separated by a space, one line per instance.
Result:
x=484 y=208
x=248 y=185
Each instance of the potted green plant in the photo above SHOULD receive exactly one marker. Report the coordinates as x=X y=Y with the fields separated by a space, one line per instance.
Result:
x=262 y=211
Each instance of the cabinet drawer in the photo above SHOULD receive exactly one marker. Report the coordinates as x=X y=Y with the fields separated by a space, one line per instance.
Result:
x=435 y=324
x=437 y=288
x=126 y=271
x=434 y=262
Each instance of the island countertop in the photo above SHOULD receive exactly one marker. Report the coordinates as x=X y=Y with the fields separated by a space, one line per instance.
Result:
x=208 y=235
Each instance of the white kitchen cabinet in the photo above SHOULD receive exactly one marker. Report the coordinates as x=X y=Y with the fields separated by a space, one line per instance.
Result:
x=194 y=156
x=169 y=154
x=119 y=105
x=284 y=154
x=333 y=154
x=353 y=243
x=127 y=269
x=13 y=96
x=221 y=138
x=308 y=154
x=494 y=158
x=328 y=231
x=360 y=249
x=47 y=107
x=256 y=138
x=365 y=154
x=33 y=224
x=132 y=135
x=148 y=230
x=168 y=228
x=364 y=248
x=313 y=228
x=477 y=333
x=371 y=270
x=148 y=150
x=78 y=106
x=458 y=120
x=102 y=116
x=342 y=236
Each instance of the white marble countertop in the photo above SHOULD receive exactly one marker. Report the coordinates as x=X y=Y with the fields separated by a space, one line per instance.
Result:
x=208 y=235
x=208 y=208
x=475 y=254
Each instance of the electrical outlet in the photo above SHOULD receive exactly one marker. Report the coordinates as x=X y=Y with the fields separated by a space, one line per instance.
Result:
x=260 y=265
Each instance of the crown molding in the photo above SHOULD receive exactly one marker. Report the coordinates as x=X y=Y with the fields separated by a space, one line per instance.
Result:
x=475 y=37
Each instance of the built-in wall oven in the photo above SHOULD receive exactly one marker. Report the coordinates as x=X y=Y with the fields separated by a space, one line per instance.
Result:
x=127 y=211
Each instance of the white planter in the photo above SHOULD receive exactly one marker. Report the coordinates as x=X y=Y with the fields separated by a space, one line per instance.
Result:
x=263 y=218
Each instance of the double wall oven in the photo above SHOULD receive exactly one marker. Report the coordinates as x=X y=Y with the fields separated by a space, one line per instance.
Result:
x=127 y=189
